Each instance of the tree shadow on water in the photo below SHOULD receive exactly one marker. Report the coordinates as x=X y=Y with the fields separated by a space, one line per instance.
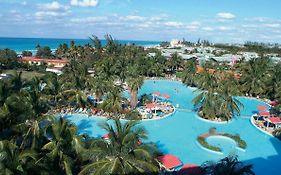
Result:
x=269 y=165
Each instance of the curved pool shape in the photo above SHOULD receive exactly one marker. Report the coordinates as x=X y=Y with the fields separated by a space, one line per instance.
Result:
x=227 y=145
x=178 y=133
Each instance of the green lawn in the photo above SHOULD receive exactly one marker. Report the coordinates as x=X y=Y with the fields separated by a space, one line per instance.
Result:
x=27 y=75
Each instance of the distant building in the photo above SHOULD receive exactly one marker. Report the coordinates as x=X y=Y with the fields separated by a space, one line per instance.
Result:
x=41 y=61
x=175 y=43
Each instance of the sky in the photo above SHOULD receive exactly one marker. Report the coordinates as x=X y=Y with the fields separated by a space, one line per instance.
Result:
x=227 y=21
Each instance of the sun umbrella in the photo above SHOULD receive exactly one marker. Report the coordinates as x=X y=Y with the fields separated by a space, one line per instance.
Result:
x=151 y=105
x=273 y=103
x=274 y=120
x=264 y=113
x=156 y=93
x=106 y=136
x=165 y=96
x=262 y=107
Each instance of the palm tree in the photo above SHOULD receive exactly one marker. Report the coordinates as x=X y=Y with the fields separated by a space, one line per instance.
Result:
x=207 y=81
x=33 y=135
x=229 y=105
x=122 y=154
x=134 y=84
x=228 y=166
x=39 y=99
x=111 y=45
x=113 y=100
x=76 y=97
x=275 y=91
x=17 y=81
x=174 y=62
x=15 y=161
x=99 y=85
x=75 y=74
x=189 y=72
x=256 y=77
x=120 y=68
x=206 y=102
x=64 y=146
x=105 y=67
x=16 y=110
x=218 y=100
x=5 y=91
x=54 y=89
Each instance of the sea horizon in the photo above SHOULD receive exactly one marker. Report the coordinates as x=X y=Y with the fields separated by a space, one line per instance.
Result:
x=20 y=44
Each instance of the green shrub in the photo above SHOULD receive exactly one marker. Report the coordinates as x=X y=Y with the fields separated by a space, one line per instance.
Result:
x=202 y=141
x=241 y=143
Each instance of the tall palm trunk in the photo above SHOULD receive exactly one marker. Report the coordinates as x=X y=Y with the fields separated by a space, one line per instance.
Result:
x=98 y=96
x=133 y=98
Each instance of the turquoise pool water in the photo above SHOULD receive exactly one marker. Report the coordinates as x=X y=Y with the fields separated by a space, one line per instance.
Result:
x=177 y=134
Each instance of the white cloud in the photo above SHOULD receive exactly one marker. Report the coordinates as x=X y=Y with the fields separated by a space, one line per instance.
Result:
x=207 y=28
x=193 y=26
x=24 y=3
x=13 y=11
x=195 y=23
x=226 y=15
x=133 y=18
x=273 y=25
x=224 y=28
x=42 y=14
x=257 y=19
x=84 y=3
x=52 y=9
x=93 y=19
x=53 y=6
x=173 y=24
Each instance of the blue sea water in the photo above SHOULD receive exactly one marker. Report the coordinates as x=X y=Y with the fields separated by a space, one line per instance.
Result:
x=178 y=133
x=21 y=44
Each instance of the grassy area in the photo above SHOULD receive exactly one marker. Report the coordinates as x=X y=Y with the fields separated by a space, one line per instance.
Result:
x=202 y=140
x=27 y=75
x=241 y=143
x=179 y=74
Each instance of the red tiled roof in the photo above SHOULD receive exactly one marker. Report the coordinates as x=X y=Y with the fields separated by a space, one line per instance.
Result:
x=36 y=59
x=169 y=161
x=31 y=59
x=56 y=61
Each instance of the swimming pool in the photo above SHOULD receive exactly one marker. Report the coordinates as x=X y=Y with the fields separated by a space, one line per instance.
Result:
x=178 y=133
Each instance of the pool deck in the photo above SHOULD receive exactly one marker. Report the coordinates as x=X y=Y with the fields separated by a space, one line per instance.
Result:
x=258 y=128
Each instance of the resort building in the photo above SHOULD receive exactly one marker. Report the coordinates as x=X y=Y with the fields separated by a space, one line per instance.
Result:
x=41 y=61
x=174 y=43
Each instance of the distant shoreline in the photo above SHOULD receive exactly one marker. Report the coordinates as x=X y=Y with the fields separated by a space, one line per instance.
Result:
x=29 y=44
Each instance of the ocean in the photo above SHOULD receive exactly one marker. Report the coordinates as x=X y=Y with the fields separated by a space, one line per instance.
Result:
x=21 y=44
